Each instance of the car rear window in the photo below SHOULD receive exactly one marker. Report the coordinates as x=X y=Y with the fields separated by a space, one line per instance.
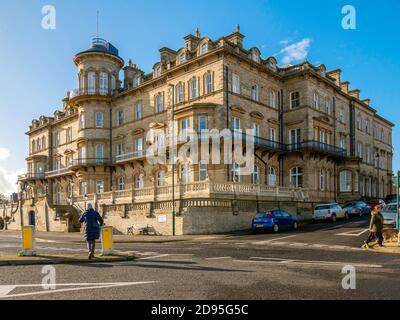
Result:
x=323 y=207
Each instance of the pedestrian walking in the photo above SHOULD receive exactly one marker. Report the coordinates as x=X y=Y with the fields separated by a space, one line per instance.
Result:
x=93 y=222
x=376 y=227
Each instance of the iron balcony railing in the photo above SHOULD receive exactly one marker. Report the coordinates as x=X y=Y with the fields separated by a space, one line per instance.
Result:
x=31 y=176
x=316 y=145
x=57 y=172
x=91 y=92
x=89 y=161
x=130 y=156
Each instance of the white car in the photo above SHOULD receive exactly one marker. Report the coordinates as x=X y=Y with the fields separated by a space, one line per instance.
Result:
x=329 y=211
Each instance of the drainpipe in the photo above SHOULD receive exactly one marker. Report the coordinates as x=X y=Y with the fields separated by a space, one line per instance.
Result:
x=111 y=151
x=334 y=143
x=228 y=126
x=281 y=134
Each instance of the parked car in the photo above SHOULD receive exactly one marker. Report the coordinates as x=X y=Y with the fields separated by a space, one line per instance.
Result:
x=373 y=203
x=389 y=215
x=391 y=198
x=329 y=211
x=357 y=208
x=274 y=220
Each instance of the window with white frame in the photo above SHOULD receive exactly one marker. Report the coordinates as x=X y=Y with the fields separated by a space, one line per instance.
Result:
x=157 y=72
x=185 y=125
x=139 y=181
x=254 y=56
x=208 y=83
x=235 y=172
x=296 y=177
x=138 y=110
x=57 y=140
x=185 y=173
x=99 y=151
x=113 y=83
x=99 y=116
x=341 y=115
x=294 y=136
x=182 y=58
x=103 y=83
x=138 y=80
x=368 y=154
x=203 y=170
x=91 y=82
x=345 y=182
x=204 y=48
x=99 y=186
x=236 y=123
x=272 y=99
x=202 y=123
x=119 y=149
x=121 y=183
x=254 y=92
x=316 y=101
x=69 y=134
x=120 y=118
x=138 y=145
x=294 y=100
x=255 y=175
x=159 y=103
x=82 y=121
x=271 y=176
x=272 y=134
x=359 y=122
x=235 y=83
x=359 y=150
x=342 y=141
x=328 y=105
x=322 y=179
x=255 y=127
x=83 y=188
x=322 y=136
x=160 y=178
x=180 y=93
x=193 y=88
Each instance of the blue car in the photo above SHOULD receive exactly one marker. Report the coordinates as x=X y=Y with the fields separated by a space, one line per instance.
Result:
x=274 y=220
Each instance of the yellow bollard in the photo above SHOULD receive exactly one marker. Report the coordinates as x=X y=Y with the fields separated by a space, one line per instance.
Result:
x=107 y=240
x=28 y=241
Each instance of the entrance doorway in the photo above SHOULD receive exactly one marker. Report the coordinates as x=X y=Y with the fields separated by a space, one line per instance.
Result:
x=32 y=218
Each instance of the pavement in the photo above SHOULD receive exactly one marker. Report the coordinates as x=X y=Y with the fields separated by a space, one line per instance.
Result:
x=310 y=263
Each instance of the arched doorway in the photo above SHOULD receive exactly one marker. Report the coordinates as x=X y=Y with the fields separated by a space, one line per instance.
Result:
x=32 y=218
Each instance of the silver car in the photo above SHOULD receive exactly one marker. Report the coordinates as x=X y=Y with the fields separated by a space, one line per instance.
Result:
x=329 y=211
x=389 y=215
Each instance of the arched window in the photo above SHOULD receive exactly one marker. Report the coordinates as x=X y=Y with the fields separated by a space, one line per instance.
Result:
x=296 y=177
x=139 y=181
x=121 y=183
x=271 y=177
x=255 y=175
x=345 y=181
x=204 y=48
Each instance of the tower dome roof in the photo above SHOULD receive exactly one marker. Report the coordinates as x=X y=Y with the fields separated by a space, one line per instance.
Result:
x=102 y=46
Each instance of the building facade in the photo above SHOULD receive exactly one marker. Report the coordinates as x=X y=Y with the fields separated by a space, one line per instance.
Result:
x=315 y=140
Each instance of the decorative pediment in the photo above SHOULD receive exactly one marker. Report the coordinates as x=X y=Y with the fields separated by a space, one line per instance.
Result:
x=257 y=115
x=119 y=136
x=68 y=151
x=273 y=121
x=238 y=109
x=137 y=131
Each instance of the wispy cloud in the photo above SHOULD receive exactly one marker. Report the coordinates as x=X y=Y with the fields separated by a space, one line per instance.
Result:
x=8 y=179
x=294 y=52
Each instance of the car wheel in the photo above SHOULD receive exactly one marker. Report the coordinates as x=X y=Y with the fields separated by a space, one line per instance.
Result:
x=333 y=218
x=275 y=228
x=295 y=225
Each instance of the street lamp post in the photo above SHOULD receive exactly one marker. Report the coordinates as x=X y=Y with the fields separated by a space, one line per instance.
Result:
x=172 y=151
x=377 y=179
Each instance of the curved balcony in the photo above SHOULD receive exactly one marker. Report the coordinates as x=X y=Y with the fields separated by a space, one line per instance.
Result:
x=90 y=93
x=132 y=156
x=31 y=176
x=58 y=173
x=86 y=162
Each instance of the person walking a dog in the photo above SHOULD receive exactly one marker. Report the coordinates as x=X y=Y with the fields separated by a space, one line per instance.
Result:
x=375 y=227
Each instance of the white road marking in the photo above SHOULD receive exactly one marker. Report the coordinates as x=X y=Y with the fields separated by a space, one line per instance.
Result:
x=154 y=257
x=271 y=240
x=218 y=258
x=85 y=286
x=352 y=233
x=309 y=262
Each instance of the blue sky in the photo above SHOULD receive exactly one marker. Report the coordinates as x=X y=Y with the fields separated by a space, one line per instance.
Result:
x=37 y=68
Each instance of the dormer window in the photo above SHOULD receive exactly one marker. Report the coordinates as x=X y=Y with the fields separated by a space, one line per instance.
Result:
x=182 y=58
x=204 y=48
x=157 y=72
x=138 y=80
x=255 y=57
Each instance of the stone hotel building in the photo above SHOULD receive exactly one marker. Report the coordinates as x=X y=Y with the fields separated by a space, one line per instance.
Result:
x=316 y=140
